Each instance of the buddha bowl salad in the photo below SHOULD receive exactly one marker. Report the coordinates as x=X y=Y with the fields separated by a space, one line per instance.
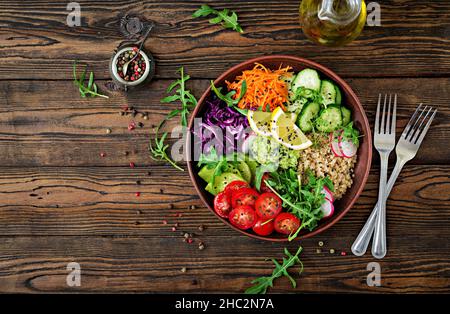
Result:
x=278 y=148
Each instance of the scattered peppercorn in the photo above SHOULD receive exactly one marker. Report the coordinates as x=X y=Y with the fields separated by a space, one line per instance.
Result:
x=164 y=222
x=138 y=194
x=138 y=182
x=343 y=253
x=132 y=165
x=131 y=126
x=190 y=240
x=102 y=154
x=174 y=229
x=201 y=228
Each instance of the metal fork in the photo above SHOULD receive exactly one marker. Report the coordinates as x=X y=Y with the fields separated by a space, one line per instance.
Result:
x=406 y=149
x=384 y=142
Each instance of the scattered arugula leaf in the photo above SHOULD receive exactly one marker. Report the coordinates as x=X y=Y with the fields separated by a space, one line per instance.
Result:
x=159 y=151
x=228 y=20
x=229 y=99
x=261 y=284
x=91 y=89
x=183 y=95
x=350 y=133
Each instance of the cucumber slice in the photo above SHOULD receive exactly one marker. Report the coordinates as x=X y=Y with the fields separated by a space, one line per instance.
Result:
x=221 y=181
x=346 y=115
x=338 y=100
x=308 y=114
x=244 y=169
x=328 y=93
x=330 y=119
x=308 y=78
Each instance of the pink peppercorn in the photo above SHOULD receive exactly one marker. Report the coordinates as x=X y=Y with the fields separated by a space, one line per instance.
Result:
x=132 y=165
x=138 y=194
x=343 y=253
x=102 y=154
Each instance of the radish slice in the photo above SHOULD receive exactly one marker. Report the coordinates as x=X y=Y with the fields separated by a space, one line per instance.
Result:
x=327 y=209
x=334 y=143
x=347 y=148
x=328 y=195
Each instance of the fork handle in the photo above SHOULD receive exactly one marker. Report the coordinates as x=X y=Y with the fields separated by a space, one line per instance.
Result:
x=379 y=246
x=361 y=243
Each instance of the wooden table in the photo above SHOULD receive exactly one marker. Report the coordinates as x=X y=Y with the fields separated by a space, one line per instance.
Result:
x=60 y=202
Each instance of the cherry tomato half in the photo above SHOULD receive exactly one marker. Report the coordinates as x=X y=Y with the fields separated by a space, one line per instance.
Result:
x=264 y=188
x=268 y=205
x=244 y=196
x=243 y=217
x=234 y=186
x=286 y=223
x=263 y=227
x=222 y=204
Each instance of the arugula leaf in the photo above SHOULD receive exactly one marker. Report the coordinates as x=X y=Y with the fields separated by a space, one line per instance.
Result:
x=228 y=20
x=261 y=284
x=260 y=171
x=90 y=89
x=229 y=99
x=159 y=151
x=350 y=133
x=304 y=201
x=183 y=95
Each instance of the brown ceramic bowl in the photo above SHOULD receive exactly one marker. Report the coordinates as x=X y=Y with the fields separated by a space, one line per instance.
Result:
x=359 y=117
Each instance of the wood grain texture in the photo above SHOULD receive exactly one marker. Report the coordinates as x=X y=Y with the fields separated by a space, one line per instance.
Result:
x=46 y=123
x=36 y=43
x=153 y=265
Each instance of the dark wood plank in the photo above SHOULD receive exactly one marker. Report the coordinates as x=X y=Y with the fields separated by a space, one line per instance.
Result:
x=36 y=43
x=38 y=264
x=41 y=127
x=101 y=201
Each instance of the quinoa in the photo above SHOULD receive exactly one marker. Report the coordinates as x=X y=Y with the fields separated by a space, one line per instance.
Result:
x=322 y=162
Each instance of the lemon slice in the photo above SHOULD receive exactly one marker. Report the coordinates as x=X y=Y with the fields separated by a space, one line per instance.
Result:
x=285 y=132
x=260 y=122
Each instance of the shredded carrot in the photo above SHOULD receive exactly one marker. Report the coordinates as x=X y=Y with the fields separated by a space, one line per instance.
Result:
x=265 y=88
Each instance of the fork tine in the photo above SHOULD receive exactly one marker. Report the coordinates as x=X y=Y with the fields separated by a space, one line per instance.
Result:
x=425 y=129
x=388 y=116
x=377 y=116
x=414 y=127
x=410 y=122
x=382 y=129
x=419 y=128
x=394 y=116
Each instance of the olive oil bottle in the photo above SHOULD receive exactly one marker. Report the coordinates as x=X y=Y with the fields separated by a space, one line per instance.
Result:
x=332 y=22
